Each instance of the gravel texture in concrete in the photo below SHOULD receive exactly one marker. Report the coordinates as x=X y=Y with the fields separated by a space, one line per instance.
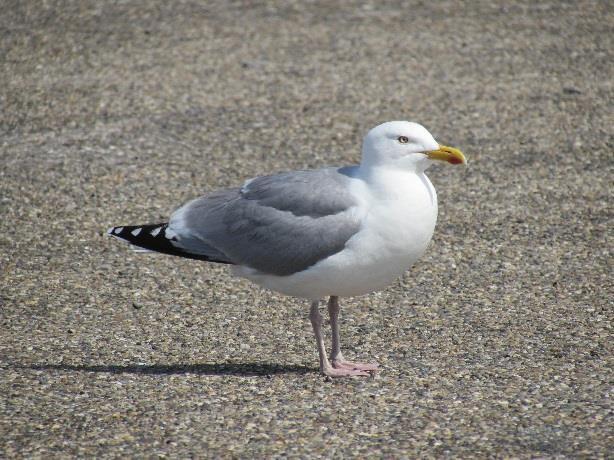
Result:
x=497 y=343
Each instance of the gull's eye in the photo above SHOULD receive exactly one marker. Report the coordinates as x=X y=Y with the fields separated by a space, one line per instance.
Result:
x=403 y=139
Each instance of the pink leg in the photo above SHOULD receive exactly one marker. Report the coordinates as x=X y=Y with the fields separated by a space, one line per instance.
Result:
x=325 y=366
x=336 y=356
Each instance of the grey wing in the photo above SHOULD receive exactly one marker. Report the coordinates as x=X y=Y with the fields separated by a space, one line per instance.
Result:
x=277 y=224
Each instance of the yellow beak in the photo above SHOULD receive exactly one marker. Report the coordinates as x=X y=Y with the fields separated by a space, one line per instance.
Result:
x=449 y=154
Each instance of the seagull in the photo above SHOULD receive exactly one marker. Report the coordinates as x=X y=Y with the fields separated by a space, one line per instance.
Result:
x=331 y=232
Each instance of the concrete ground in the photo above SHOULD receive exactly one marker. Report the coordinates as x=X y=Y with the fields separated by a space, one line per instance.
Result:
x=498 y=343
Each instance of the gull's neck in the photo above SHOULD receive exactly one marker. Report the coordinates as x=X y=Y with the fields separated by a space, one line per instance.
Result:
x=387 y=181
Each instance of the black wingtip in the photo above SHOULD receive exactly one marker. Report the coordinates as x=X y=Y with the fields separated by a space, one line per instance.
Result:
x=139 y=234
x=153 y=237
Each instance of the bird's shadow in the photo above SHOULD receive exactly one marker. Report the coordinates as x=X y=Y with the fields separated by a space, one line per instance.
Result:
x=236 y=369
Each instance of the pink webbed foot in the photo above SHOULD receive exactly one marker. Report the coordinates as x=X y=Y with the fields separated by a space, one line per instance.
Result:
x=348 y=365
x=344 y=372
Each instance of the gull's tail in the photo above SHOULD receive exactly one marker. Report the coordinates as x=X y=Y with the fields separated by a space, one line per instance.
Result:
x=153 y=237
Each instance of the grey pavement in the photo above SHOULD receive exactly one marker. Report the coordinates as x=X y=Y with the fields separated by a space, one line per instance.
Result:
x=498 y=343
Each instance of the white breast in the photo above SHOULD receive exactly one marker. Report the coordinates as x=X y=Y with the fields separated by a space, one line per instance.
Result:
x=399 y=212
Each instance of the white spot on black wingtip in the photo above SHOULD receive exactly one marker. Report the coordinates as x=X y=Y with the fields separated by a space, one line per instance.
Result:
x=118 y=230
x=155 y=231
x=136 y=231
